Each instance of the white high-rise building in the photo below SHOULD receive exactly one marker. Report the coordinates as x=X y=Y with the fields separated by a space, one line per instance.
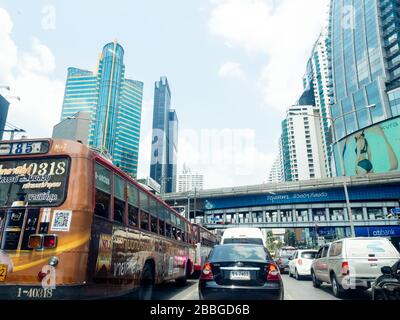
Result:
x=302 y=144
x=276 y=173
x=188 y=181
x=323 y=90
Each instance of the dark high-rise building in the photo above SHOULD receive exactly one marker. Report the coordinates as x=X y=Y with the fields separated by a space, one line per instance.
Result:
x=163 y=165
x=4 y=104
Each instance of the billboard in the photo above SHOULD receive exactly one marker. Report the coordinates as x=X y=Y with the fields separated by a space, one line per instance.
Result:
x=375 y=149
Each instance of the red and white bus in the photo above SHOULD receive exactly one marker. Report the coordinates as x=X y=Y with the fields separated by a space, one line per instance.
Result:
x=204 y=240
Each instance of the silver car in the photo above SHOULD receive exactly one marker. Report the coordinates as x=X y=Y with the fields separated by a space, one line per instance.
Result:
x=352 y=263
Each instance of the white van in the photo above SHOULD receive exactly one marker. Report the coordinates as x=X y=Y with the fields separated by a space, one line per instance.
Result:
x=243 y=235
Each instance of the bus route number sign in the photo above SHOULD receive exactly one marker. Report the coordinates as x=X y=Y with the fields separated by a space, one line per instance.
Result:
x=24 y=148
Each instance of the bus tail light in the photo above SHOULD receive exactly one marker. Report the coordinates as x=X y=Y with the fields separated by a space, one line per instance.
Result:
x=273 y=273
x=49 y=241
x=345 y=268
x=207 y=274
x=42 y=241
x=35 y=241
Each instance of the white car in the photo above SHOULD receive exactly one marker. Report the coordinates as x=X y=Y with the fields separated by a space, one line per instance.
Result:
x=243 y=235
x=300 y=263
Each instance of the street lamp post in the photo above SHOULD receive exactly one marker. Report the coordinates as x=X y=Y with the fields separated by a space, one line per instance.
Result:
x=342 y=166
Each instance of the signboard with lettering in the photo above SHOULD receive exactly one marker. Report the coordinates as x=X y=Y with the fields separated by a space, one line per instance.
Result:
x=384 y=231
x=33 y=181
x=24 y=148
x=359 y=193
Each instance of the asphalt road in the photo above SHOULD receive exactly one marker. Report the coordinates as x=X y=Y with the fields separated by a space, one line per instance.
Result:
x=294 y=290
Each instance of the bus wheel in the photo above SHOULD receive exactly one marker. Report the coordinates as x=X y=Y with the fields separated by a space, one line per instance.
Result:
x=146 y=283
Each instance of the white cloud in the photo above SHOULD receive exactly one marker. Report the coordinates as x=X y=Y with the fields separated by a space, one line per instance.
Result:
x=8 y=49
x=226 y=157
x=284 y=31
x=39 y=60
x=231 y=69
x=29 y=74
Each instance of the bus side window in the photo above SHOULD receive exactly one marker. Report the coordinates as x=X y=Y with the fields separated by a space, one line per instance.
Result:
x=153 y=216
x=174 y=224
x=119 y=199
x=144 y=208
x=103 y=191
x=183 y=231
x=167 y=223
x=161 y=219
x=133 y=211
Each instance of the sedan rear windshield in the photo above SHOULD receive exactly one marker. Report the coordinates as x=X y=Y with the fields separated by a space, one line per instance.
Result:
x=243 y=240
x=309 y=255
x=239 y=253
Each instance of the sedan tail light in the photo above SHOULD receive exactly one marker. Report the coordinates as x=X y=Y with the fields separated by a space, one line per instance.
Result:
x=345 y=268
x=273 y=273
x=206 y=273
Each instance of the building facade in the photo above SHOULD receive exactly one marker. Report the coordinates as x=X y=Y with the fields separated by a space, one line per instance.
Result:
x=74 y=128
x=4 y=105
x=365 y=57
x=302 y=144
x=114 y=104
x=188 y=181
x=163 y=167
x=276 y=173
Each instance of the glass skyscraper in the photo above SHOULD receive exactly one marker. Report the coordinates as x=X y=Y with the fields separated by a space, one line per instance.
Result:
x=163 y=167
x=114 y=104
x=365 y=65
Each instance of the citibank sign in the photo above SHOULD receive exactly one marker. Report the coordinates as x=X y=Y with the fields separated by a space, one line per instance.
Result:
x=386 y=231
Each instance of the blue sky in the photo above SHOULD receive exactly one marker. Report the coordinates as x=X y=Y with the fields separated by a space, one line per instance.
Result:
x=234 y=66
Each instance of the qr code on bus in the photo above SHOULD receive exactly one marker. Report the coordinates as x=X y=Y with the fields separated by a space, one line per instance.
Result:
x=61 y=220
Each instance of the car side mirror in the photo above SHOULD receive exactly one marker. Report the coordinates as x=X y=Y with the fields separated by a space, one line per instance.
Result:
x=290 y=258
x=386 y=270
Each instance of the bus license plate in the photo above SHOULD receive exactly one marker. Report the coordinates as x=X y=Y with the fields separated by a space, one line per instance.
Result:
x=240 y=275
x=3 y=272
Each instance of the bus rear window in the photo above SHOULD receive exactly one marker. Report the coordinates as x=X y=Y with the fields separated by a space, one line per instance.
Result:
x=39 y=182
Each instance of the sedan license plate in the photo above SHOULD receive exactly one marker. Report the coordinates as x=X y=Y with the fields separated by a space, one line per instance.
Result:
x=3 y=272
x=240 y=275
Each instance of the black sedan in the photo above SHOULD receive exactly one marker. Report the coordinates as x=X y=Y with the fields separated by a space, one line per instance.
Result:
x=387 y=286
x=240 y=272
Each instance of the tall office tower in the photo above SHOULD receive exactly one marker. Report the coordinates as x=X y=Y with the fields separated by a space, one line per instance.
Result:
x=276 y=173
x=302 y=144
x=366 y=79
x=318 y=85
x=114 y=104
x=4 y=104
x=188 y=181
x=165 y=138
